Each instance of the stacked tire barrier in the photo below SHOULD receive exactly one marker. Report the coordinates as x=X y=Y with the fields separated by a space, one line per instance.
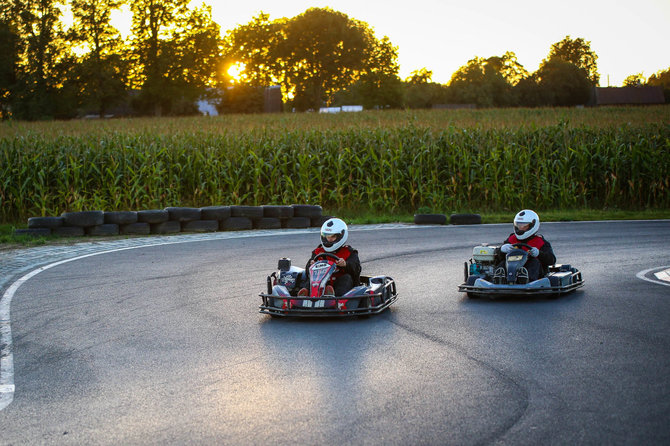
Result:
x=173 y=220
x=441 y=219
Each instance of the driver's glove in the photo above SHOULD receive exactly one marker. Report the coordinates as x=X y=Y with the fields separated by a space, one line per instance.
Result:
x=506 y=248
x=534 y=252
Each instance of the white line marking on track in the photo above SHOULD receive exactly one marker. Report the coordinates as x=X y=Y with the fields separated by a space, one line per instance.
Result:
x=662 y=273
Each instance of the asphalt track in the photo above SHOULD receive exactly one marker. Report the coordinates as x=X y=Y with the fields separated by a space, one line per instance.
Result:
x=164 y=345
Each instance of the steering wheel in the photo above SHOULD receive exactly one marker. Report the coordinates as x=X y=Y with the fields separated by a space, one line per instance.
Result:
x=327 y=255
x=522 y=245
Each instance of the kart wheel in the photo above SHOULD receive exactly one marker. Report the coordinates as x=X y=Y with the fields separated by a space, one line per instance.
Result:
x=473 y=295
x=465 y=219
x=306 y=210
x=246 y=211
x=215 y=213
x=430 y=219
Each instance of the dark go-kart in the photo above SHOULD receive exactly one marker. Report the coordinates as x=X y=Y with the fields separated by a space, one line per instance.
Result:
x=491 y=273
x=372 y=296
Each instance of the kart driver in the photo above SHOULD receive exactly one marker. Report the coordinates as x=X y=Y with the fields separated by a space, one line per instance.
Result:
x=334 y=233
x=541 y=255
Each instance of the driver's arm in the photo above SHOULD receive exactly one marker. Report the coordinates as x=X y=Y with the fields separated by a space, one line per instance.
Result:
x=310 y=261
x=546 y=256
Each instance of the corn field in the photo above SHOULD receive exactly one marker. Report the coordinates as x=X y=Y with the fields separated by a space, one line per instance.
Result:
x=381 y=161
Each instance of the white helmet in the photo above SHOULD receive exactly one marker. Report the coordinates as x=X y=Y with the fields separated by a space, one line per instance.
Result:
x=526 y=217
x=334 y=226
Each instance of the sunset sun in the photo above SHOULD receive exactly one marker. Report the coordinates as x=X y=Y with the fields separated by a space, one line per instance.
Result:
x=235 y=71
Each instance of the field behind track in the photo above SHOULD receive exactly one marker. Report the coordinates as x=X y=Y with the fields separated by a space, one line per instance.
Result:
x=386 y=161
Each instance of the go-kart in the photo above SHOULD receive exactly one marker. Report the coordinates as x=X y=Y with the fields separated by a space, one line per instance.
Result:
x=491 y=273
x=372 y=296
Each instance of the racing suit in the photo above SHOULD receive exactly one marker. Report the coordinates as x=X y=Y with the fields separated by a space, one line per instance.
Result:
x=345 y=278
x=537 y=266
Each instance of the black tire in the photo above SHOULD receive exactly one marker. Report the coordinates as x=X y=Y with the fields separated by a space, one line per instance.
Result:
x=83 y=218
x=200 y=226
x=317 y=222
x=465 y=219
x=473 y=295
x=121 y=217
x=306 y=210
x=139 y=228
x=430 y=219
x=153 y=216
x=297 y=222
x=33 y=232
x=246 y=211
x=235 y=224
x=104 y=229
x=215 y=213
x=45 y=222
x=267 y=223
x=183 y=214
x=167 y=227
x=277 y=211
x=68 y=231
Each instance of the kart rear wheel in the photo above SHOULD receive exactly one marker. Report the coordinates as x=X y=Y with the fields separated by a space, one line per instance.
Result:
x=473 y=295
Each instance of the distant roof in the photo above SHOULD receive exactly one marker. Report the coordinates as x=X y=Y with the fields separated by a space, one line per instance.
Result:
x=627 y=95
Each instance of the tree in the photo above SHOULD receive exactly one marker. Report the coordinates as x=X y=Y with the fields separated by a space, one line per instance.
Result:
x=661 y=79
x=528 y=93
x=176 y=53
x=324 y=51
x=101 y=73
x=9 y=55
x=420 y=76
x=242 y=98
x=42 y=60
x=634 y=80
x=487 y=82
x=563 y=83
x=578 y=52
x=379 y=85
x=508 y=67
x=256 y=46
x=199 y=57
x=312 y=56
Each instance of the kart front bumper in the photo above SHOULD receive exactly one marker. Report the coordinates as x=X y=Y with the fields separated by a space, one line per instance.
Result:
x=329 y=306
x=538 y=287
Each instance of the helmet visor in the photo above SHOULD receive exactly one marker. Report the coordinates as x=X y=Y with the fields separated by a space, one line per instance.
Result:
x=328 y=239
x=520 y=227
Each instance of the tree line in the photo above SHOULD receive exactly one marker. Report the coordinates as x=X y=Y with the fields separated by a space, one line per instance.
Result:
x=176 y=55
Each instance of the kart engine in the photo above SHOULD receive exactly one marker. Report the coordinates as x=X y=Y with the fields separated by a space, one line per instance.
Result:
x=483 y=259
x=289 y=276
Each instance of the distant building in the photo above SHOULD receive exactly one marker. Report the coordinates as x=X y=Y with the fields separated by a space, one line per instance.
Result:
x=207 y=107
x=626 y=96
x=272 y=100
x=344 y=108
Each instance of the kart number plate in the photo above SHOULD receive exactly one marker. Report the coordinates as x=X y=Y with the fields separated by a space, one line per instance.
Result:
x=514 y=258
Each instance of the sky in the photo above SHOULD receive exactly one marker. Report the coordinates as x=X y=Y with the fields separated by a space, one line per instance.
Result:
x=629 y=37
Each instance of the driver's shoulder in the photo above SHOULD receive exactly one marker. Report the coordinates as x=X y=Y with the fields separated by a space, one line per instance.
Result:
x=544 y=241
